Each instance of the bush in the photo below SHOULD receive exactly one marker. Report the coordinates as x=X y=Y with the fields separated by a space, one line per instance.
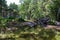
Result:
x=47 y=34
x=51 y=22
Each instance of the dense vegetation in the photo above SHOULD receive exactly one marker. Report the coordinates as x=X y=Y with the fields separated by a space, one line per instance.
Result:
x=22 y=22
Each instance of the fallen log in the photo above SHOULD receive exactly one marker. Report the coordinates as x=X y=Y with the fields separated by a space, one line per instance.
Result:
x=52 y=27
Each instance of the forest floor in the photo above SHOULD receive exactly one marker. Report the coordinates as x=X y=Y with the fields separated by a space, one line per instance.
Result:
x=32 y=31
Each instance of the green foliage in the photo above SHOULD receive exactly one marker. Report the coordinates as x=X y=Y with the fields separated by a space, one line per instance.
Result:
x=54 y=8
x=3 y=5
x=47 y=34
x=30 y=9
x=41 y=34
x=34 y=9
x=52 y=22
x=13 y=6
x=13 y=10
x=11 y=17
x=3 y=22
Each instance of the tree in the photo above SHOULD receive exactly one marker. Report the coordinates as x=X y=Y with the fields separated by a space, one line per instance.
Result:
x=3 y=6
x=55 y=7
x=34 y=8
x=13 y=9
x=13 y=6
x=40 y=8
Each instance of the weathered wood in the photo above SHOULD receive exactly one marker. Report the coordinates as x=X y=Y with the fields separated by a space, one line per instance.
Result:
x=52 y=27
x=30 y=24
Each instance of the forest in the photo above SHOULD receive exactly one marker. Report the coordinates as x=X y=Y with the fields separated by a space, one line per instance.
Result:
x=30 y=20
